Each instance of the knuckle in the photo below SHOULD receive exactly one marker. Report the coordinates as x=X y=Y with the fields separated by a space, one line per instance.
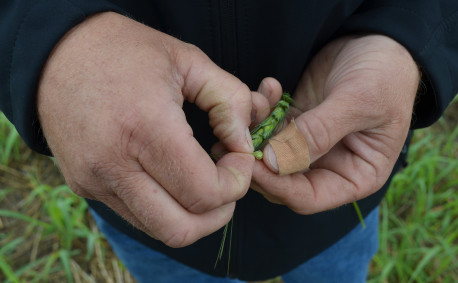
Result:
x=131 y=132
x=299 y=210
x=178 y=238
x=99 y=169
x=108 y=175
x=200 y=205
x=198 y=197
x=184 y=52
x=316 y=133
x=193 y=49
x=299 y=200
x=298 y=207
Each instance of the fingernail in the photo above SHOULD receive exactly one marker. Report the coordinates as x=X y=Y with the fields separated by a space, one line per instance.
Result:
x=249 y=140
x=264 y=89
x=269 y=156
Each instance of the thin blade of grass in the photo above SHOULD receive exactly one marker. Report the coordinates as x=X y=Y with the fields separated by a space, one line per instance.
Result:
x=47 y=268
x=4 y=192
x=23 y=217
x=8 y=271
x=10 y=142
x=31 y=266
x=360 y=215
x=230 y=247
x=65 y=259
x=11 y=246
x=221 y=246
x=425 y=260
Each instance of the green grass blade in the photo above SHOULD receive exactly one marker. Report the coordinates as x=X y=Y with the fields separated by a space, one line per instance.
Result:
x=65 y=259
x=221 y=246
x=30 y=266
x=47 y=268
x=23 y=217
x=425 y=260
x=8 y=271
x=10 y=246
x=10 y=142
x=4 y=192
x=230 y=247
x=360 y=215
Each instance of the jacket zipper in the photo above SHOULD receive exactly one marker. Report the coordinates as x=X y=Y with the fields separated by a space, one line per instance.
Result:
x=229 y=63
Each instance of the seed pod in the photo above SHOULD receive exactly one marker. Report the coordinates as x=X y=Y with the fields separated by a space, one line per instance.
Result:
x=264 y=130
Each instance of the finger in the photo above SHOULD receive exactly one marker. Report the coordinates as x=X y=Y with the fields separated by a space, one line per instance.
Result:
x=351 y=170
x=164 y=218
x=261 y=108
x=271 y=198
x=305 y=193
x=271 y=89
x=226 y=99
x=364 y=158
x=178 y=163
x=217 y=151
x=321 y=128
x=267 y=95
x=288 y=151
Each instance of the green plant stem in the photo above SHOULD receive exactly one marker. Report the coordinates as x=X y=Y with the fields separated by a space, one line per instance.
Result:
x=360 y=216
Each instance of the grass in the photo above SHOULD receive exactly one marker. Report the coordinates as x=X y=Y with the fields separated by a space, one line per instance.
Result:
x=47 y=234
x=419 y=215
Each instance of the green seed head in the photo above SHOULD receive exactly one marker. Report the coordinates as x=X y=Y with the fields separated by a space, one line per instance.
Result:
x=286 y=97
x=268 y=131
x=257 y=141
x=258 y=154
x=264 y=130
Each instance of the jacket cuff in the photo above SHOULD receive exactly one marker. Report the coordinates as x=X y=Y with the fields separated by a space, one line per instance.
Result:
x=41 y=27
x=432 y=44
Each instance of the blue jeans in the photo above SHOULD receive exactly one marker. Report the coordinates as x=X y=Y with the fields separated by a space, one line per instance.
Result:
x=345 y=261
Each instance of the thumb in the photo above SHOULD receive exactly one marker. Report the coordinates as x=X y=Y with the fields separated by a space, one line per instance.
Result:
x=226 y=99
x=316 y=132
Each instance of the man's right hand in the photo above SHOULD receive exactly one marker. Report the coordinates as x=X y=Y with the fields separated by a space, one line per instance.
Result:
x=110 y=105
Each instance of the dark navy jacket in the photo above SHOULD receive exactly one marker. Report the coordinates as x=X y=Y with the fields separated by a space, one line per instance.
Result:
x=251 y=39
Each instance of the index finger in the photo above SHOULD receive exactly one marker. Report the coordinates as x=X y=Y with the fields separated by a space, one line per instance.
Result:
x=226 y=99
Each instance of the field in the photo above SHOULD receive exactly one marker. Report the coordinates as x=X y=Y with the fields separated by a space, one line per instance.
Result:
x=47 y=234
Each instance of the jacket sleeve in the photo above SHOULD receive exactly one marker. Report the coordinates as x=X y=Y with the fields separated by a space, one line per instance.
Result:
x=29 y=30
x=429 y=30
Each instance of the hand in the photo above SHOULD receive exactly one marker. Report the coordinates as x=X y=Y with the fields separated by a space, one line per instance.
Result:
x=358 y=94
x=110 y=105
